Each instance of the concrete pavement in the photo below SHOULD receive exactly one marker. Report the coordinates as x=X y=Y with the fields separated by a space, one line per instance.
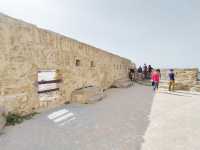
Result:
x=118 y=122
x=125 y=120
x=175 y=122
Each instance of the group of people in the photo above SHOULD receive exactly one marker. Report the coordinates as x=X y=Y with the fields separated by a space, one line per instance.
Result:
x=146 y=71
x=155 y=77
x=149 y=73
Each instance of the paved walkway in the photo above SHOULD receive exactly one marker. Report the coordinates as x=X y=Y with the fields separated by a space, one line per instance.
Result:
x=175 y=122
x=118 y=122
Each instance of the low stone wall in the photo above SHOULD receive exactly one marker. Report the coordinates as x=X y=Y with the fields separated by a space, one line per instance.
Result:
x=182 y=75
x=27 y=49
x=186 y=79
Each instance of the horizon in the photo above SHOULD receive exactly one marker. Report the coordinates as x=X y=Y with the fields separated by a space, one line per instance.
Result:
x=145 y=38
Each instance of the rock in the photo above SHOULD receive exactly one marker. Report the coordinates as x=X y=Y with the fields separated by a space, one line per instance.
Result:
x=2 y=118
x=87 y=95
x=122 y=83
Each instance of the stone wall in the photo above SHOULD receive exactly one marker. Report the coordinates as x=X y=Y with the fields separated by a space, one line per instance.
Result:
x=26 y=49
x=186 y=79
x=182 y=75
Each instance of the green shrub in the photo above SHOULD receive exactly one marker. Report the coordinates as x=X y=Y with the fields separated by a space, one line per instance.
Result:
x=13 y=119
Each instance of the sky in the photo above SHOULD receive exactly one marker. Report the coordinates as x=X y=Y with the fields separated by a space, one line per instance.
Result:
x=164 y=33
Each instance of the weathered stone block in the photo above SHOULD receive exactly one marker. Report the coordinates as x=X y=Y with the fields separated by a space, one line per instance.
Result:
x=88 y=95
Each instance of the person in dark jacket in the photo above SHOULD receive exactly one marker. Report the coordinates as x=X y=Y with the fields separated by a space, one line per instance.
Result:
x=171 y=76
x=132 y=74
x=149 y=71
x=139 y=69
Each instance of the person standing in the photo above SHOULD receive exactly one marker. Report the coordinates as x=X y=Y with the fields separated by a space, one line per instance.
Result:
x=139 y=69
x=132 y=74
x=158 y=70
x=171 y=80
x=149 y=71
x=155 y=77
x=145 y=71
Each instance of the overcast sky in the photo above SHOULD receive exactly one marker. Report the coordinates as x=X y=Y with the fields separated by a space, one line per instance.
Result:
x=164 y=33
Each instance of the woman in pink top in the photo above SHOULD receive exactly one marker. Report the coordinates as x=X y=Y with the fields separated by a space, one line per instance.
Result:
x=155 y=77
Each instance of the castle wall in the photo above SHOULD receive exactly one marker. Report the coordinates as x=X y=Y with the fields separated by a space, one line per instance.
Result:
x=26 y=49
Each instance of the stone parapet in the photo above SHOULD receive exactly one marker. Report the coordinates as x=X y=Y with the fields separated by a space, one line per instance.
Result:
x=189 y=76
x=185 y=79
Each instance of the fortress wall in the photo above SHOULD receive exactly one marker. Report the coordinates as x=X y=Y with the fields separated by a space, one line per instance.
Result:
x=26 y=49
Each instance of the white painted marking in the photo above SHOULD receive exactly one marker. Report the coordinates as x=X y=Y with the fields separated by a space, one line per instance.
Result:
x=67 y=121
x=57 y=114
x=64 y=117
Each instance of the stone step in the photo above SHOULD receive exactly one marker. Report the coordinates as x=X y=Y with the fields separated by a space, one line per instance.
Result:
x=88 y=95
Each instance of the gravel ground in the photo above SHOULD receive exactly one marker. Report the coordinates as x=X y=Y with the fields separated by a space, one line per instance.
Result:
x=118 y=122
